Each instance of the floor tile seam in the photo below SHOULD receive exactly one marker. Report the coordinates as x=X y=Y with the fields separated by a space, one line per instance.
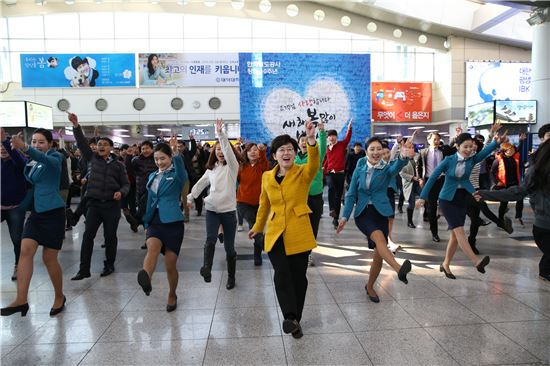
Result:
x=511 y=340
x=483 y=321
x=530 y=306
x=424 y=329
x=212 y=320
x=510 y=297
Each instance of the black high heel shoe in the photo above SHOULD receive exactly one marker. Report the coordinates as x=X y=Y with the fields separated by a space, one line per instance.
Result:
x=55 y=311
x=10 y=310
x=144 y=281
x=481 y=266
x=447 y=274
x=170 y=308
x=405 y=268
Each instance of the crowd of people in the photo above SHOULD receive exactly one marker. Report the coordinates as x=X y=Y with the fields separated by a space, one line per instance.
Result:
x=276 y=189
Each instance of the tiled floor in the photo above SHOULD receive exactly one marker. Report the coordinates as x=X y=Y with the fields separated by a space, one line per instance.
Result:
x=502 y=317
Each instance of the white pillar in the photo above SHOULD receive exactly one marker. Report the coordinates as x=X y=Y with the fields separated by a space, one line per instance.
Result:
x=540 y=81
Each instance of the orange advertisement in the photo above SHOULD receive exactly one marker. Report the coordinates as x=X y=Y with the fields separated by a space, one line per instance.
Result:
x=401 y=102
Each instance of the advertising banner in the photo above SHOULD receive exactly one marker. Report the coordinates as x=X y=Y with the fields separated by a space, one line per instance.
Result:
x=488 y=81
x=78 y=70
x=516 y=111
x=481 y=114
x=401 y=102
x=279 y=92
x=188 y=69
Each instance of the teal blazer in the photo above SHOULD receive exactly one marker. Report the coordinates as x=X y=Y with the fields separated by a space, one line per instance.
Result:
x=44 y=176
x=377 y=194
x=167 y=198
x=448 y=166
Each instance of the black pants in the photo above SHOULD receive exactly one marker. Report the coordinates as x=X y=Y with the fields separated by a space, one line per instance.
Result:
x=248 y=213
x=542 y=239
x=108 y=214
x=433 y=196
x=83 y=204
x=315 y=204
x=504 y=205
x=473 y=211
x=335 y=182
x=141 y=206
x=290 y=279
x=129 y=202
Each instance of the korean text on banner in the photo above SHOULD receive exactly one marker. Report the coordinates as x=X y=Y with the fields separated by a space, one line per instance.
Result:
x=401 y=102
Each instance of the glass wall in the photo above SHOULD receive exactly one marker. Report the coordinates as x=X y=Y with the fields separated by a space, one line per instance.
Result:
x=161 y=32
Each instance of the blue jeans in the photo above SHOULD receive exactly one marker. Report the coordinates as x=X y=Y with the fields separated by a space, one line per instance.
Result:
x=228 y=220
x=15 y=218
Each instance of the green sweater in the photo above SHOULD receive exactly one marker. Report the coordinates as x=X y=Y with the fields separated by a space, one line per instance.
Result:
x=317 y=184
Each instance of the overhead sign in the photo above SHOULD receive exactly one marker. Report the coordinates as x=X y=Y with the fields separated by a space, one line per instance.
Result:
x=401 y=102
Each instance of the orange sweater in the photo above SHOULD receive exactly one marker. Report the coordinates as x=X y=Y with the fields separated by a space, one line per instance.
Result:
x=250 y=181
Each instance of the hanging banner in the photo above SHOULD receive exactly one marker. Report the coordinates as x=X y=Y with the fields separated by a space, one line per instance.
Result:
x=279 y=92
x=401 y=102
x=78 y=71
x=488 y=81
x=188 y=69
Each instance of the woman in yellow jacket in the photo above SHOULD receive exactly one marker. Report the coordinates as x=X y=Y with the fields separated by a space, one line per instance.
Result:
x=284 y=213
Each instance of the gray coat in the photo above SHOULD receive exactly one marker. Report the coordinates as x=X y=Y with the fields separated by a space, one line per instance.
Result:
x=407 y=174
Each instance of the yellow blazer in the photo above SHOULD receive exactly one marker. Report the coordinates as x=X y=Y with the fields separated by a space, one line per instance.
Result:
x=284 y=206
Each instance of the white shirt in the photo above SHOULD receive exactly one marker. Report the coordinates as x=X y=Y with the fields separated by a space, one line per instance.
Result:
x=222 y=181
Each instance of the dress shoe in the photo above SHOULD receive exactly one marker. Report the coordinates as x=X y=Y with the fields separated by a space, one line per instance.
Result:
x=447 y=274
x=144 y=281
x=55 y=311
x=405 y=268
x=332 y=213
x=507 y=225
x=481 y=266
x=107 y=271
x=483 y=222
x=220 y=237
x=10 y=310
x=400 y=209
x=172 y=307
x=335 y=223
x=411 y=225
x=436 y=238
x=290 y=326
x=298 y=333
x=144 y=246
x=14 y=275
x=80 y=276
x=374 y=298
x=103 y=245
x=545 y=277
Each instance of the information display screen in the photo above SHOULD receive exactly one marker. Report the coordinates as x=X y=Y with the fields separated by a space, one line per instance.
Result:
x=12 y=114
x=39 y=116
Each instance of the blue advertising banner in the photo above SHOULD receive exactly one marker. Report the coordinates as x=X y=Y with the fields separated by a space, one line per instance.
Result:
x=78 y=71
x=279 y=92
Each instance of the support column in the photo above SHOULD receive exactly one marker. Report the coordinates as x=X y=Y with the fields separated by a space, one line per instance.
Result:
x=540 y=81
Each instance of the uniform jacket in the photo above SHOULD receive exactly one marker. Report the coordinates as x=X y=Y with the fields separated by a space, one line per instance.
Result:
x=283 y=207
x=44 y=177
x=448 y=166
x=359 y=196
x=167 y=197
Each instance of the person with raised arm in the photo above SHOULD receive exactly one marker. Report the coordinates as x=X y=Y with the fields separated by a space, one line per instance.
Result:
x=452 y=199
x=163 y=219
x=283 y=217
x=107 y=184
x=221 y=203
x=368 y=195
x=46 y=223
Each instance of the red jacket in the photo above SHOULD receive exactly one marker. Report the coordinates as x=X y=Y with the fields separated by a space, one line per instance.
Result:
x=335 y=158
x=250 y=181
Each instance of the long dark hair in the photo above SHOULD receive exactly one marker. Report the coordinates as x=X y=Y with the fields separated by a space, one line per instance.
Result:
x=244 y=154
x=212 y=159
x=541 y=169
x=149 y=63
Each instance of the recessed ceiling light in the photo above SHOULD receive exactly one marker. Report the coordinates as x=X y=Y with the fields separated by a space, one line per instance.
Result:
x=69 y=2
x=319 y=15
x=372 y=27
x=237 y=4
x=422 y=39
x=397 y=33
x=40 y=2
x=164 y=129
x=124 y=135
x=120 y=130
x=379 y=133
x=210 y=3
x=264 y=6
x=431 y=130
x=395 y=135
x=292 y=10
x=182 y=2
x=148 y=135
x=415 y=127
x=345 y=21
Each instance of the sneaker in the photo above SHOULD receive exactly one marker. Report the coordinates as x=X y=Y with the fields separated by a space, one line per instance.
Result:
x=240 y=228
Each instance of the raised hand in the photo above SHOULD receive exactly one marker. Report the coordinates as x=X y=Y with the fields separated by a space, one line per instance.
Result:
x=60 y=133
x=494 y=128
x=501 y=139
x=17 y=142
x=73 y=118
x=261 y=147
x=523 y=137
x=173 y=142
x=458 y=130
x=3 y=135
x=219 y=125
x=310 y=132
x=350 y=123
x=407 y=149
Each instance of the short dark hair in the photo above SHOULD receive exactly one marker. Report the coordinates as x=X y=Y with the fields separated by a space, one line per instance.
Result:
x=373 y=139
x=124 y=147
x=77 y=61
x=148 y=143
x=543 y=130
x=332 y=133
x=357 y=144
x=164 y=148
x=282 y=140
x=46 y=133
x=479 y=137
x=106 y=139
x=92 y=140
x=432 y=134
x=463 y=137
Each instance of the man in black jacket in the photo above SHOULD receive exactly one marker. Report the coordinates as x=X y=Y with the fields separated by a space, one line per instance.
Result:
x=142 y=166
x=187 y=154
x=107 y=184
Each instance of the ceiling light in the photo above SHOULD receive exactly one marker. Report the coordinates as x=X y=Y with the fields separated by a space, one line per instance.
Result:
x=40 y=2
x=10 y=2
x=415 y=127
x=98 y=1
x=372 y=27
x=164 y=129
x=264 y=6
x=379 y=133
x=210 y=3
x=319 y=15
x=182 y=2
x=147 y=135
x=124 y=135
x=407 y=137
x=155 y=2
x=237 y=4
x=447 y=44
x=397 y=33
x=422 y=39
x=431 y=131
x=69 y=2
x=395 y=135
x=292 y=10
x=345 y=21
x=120 y=130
